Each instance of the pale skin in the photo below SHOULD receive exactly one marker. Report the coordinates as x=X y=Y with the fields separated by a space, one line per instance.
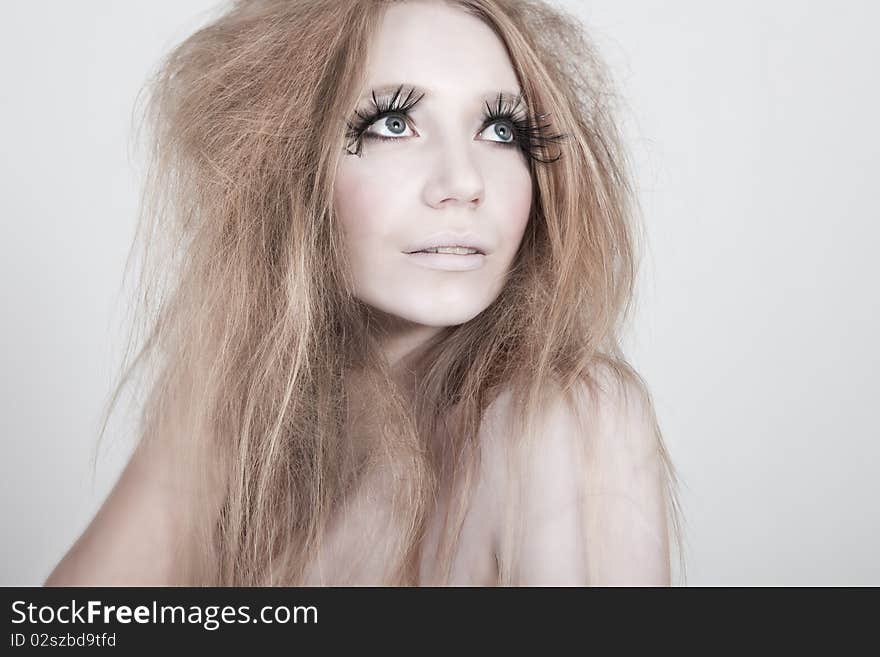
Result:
x=449 y=176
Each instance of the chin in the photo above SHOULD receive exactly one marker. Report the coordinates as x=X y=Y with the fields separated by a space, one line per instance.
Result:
x=437 y=319
x=420 y=307
x=433 y=315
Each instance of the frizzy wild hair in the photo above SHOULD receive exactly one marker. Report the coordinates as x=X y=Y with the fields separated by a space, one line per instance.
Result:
x=248 y=332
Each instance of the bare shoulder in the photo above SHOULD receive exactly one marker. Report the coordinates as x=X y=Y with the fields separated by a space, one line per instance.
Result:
x=612 y=412
x=608 y=416
x=589 y=485
x=130 y=540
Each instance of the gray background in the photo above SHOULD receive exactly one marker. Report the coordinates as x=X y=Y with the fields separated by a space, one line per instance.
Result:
x=754 y=132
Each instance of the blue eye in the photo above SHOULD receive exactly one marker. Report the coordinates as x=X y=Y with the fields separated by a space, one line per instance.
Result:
x=393 y=126
x=394 y=123
x=504 y=130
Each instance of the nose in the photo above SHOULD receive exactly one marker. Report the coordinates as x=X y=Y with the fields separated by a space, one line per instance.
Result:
x=456 y=178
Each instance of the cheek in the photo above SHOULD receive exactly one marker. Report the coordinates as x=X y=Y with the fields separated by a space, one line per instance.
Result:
x=359 y=204
x=514 y=207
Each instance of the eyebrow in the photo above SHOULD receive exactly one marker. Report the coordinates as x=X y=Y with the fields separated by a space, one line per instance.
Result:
x=388 y=90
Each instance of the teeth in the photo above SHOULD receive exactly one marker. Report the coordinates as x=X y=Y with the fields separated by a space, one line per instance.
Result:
x=457 y=250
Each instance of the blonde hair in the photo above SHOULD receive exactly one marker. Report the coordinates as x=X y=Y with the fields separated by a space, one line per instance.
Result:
x=245 y=295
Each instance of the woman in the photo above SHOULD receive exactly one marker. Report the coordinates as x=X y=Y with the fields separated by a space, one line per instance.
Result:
x=395 y=251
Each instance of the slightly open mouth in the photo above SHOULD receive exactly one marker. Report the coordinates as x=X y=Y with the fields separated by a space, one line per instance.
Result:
x=460 y=252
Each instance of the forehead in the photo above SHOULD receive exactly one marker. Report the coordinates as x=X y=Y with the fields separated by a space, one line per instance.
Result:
x=441 y=48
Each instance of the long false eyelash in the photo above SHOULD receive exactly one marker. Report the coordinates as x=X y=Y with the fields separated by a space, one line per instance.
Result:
x=530 y=136
x=381 y=107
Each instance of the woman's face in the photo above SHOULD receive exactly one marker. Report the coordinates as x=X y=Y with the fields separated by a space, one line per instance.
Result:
x=438 y=171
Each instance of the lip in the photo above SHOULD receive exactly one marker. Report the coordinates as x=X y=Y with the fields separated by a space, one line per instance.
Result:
x=449 y=238
x=448 y=261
